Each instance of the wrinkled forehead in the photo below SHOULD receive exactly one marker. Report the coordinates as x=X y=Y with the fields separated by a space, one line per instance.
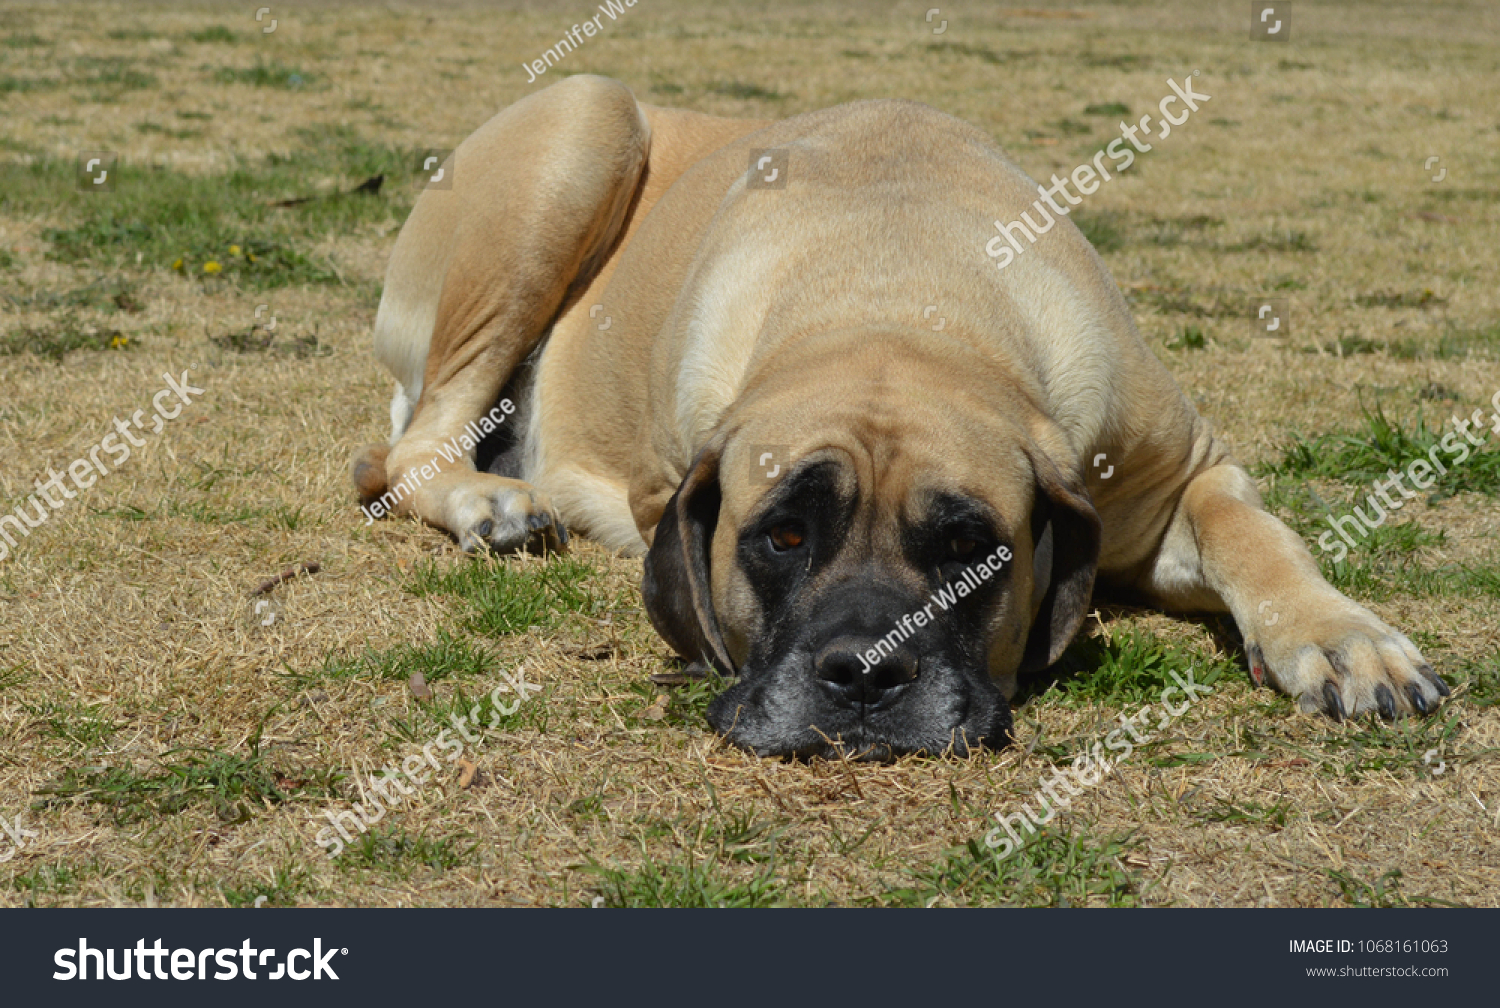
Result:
x=885 y=482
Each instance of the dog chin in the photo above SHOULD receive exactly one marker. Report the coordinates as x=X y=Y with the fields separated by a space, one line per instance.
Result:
x=756 y=716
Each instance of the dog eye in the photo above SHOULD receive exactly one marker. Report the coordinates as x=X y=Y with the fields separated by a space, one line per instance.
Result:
x=786 y=537
x=961 y=549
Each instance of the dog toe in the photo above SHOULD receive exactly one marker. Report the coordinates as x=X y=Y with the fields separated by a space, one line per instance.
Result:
x=1353 y=665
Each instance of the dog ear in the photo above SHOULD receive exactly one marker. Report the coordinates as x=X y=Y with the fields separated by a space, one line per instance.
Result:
x=676 y=589
x=1065 y=536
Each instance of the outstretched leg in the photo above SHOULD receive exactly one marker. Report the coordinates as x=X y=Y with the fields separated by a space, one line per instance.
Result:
x=1325 y=650
x=539 y=195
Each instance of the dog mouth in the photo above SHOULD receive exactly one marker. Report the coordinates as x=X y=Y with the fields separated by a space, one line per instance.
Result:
x=779 y=713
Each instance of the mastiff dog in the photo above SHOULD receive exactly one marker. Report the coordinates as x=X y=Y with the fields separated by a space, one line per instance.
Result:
x=874 y=478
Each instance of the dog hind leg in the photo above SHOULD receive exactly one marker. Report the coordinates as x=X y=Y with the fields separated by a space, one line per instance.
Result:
x=540 y=193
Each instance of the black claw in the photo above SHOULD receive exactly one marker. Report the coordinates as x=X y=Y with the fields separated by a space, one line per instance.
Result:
x=1333 y=702
x=1438 y=682
x=1417 y=699
x=1386 y=701
x=562 y=536
x=485 y=528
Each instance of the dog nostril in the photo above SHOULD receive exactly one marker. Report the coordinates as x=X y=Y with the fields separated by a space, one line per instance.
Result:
x=840 y=667
x=846 y=663
x=893 y=670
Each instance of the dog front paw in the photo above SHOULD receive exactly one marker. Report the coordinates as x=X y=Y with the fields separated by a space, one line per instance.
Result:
x=1342 y=660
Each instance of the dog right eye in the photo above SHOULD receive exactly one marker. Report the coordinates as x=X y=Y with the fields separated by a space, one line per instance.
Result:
x=785 y=537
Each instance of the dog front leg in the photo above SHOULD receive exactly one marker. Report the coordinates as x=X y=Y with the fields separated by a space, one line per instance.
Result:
x=1313 y=643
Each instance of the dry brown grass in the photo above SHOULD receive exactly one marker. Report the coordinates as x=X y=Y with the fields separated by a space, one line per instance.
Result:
x=145 y=623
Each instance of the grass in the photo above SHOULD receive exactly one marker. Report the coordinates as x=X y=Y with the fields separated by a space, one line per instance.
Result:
x=448 y=657
x=1054 y=867
x=220 y=228
x=682 y=883
x=231 y=785
x=505 y=599
x=1126 y=669
x=397 y=853
x=1380 y=444
x=66 y=333
x=269 y=75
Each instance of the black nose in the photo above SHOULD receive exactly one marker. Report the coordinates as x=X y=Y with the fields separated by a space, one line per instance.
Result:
x=845 y=664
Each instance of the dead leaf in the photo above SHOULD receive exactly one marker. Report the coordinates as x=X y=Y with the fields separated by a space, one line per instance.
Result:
x=466 y=773
x=658 y=710
x=418 y=686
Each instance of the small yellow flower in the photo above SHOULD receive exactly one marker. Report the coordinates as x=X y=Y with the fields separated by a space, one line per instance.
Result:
x=254 y=257
x=119 y=342
x=234 y=250
x=177 y=264
x=211 y=267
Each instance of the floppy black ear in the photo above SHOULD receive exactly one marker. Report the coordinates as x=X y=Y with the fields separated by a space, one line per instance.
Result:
x=1065 y=536
x=676 y=587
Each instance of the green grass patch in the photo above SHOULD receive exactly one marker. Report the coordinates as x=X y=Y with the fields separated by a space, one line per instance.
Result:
x=445 y=658
x=27 y=85
x=213 y=33
x=270 y=75
x=397 y=853
x=222 y=228
x=1126 y=668
x=1054 y=867
x=686 y=883
x=1104 y=230
x=506 y=599
x=1188 y=338
x=230 y=784
x=739 y=89
x=487 y=709
x=61 y=337
x=1107 y=109
x=78 y=723
x=282 y=891
x=1246 y=813
x=1383 y=893
x=1371 y=745
x=1380 y=444
x=47 y=885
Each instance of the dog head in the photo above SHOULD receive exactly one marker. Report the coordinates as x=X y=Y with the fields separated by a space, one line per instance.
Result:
x=876 y=594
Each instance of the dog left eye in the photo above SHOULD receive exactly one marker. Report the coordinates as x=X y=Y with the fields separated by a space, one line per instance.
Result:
x=786 y=537
x=961 y=549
